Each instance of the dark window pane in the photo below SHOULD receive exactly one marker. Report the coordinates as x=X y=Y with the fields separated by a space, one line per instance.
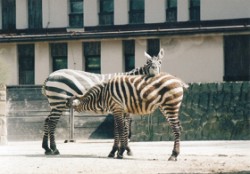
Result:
x=76 y=7
x=153 y=47
x=136 y=13
x=35 y=13
x=129 y=54
x=237 y=58
x=171 y=12
x=194 y=11
x=59 y=56
x=106 y=6
x=76 y=20
x=106 y=15
x=92 y=57
x=171 y=3
x=9 y=14
x=137 y=4
x=26 y=63
x=76 y=13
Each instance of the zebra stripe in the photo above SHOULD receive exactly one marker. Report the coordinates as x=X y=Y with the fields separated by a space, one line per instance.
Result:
x=137 y=95
x=61 y=85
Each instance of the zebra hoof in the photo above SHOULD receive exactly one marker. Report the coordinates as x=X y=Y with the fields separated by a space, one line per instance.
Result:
x=172 y=158
x=111 y=155
x=48 y=152
x=55 y=152
x=129 y=153
x=119 y=156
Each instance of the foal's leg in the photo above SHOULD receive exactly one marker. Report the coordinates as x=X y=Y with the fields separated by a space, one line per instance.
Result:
x=119 y=120
x=127 y=126
x=116 y=141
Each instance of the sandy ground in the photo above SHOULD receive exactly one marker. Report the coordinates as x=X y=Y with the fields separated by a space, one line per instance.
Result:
x=149 y=158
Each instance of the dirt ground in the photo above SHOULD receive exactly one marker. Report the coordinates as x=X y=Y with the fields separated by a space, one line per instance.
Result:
x=149 y=158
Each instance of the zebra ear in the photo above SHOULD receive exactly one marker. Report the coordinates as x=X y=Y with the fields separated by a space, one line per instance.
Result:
x=147 y=55
x=161 y=53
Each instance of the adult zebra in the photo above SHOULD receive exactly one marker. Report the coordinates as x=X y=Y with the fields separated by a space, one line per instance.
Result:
x=63 y=84
x=136 y=95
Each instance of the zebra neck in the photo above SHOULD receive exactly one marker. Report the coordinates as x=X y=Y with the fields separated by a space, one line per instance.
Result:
x=137 y=71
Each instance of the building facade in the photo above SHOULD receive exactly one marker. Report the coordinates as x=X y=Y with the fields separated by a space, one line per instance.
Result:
x=204 y=40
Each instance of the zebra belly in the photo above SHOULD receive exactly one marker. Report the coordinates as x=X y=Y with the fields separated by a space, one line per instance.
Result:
x=142 y=108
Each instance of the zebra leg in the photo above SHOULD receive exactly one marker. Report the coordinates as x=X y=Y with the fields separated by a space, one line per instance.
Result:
x=116 y=141
x=45 y=145
x=127 y=127
x=118 y=115
x=54 y=117
x=171 y=115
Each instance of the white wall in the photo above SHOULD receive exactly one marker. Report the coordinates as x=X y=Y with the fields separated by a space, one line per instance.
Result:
x=8 y=55
x=75 y=55
x=121 y=14
x=224 y=9
x=55 y=13
x=194 y=59
x=21 y=14
x=42 y=62
x=155 y=12
x=91 y=10
x=140 y=48
x=111 y=56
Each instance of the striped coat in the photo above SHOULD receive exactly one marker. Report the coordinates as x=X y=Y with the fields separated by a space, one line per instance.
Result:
x=63 y=84
x=136 y=95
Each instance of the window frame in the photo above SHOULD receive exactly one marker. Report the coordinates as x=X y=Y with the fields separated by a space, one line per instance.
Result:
x=92 y=50
x=74 y=15
x=153 y=47
x=136 y=16
x=237 y=54
x=26 y=64
x=129 y=54
x=194 y=10
x=106 y=17
x=59 y=51
x=9 y=15
x=35 y=7
x=171 y=11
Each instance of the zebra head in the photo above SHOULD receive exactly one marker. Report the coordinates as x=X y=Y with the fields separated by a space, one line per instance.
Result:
x=90 y=101
x=154 y=63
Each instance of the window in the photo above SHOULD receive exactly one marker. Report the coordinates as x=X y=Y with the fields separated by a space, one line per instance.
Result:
x=106 y=15
x=194 y=10
x=59 y=55
x=26 y=63
x=9 y=15
x=237 y=58
x=153 y=47
x=76 y=13
x=35 y=13
x=171 y=12
x=129 y=54
x=136 y=13
x=92 y=57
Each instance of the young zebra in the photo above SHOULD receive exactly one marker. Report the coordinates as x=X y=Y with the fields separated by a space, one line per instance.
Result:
x=63 y=84
x=139 y=95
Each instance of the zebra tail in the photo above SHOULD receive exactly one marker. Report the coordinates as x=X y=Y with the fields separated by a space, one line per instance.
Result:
x=184 y=85
x=43 y=87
